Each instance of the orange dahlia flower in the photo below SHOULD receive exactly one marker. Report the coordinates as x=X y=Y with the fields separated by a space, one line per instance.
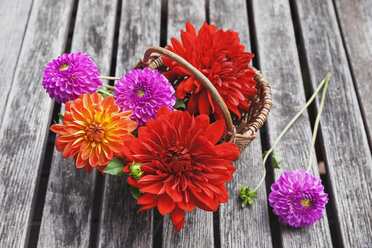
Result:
x=221 y=58
x=181 y=164
x=93 y=131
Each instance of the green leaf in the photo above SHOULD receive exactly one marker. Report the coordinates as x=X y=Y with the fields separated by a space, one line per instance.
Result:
x=60 y=117
x=115 y=167
x=247 y=196
x=250 y=201
x=180 y=105
x=277 y=159
x=135 y=192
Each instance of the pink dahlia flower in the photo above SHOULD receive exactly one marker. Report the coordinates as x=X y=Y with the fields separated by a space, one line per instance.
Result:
x=71 y=75
x=144 y=92
x=298 y=198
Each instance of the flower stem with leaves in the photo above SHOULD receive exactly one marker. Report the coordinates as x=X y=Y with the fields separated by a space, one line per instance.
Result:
x=245 y=192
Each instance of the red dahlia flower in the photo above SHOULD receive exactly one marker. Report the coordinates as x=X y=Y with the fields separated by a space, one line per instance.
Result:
x=93 y=131
x=221 y=58
x=181 y=163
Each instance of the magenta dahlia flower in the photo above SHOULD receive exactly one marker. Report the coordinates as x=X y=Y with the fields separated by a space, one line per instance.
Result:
x=298 y=198
x=144 y=92
x=71 y=75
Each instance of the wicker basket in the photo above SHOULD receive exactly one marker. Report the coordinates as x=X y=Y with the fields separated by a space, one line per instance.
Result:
x=239 y=131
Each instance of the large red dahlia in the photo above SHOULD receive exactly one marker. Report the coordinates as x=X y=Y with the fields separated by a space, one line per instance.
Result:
x=181 y=163
x=219 y=56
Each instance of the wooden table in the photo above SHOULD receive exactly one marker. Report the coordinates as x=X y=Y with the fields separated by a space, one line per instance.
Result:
x=46 y=202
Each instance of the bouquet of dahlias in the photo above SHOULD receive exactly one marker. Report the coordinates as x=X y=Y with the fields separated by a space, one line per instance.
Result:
x=165 y=130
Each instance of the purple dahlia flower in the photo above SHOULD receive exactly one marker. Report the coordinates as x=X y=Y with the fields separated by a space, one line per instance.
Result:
x=298 y=198
x=144 y=92
x=71 y=75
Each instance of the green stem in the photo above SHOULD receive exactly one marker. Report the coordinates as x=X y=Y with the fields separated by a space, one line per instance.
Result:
x=104 y=92
x=110 y=78
x=299 y=113
x=108 y=86
x=316 y=124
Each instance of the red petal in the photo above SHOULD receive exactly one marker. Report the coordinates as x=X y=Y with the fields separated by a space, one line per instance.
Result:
x=177 y=217
x=215 y=131
x=165 y=204
x=204 y=106
x=163 y=111
x=192 y=105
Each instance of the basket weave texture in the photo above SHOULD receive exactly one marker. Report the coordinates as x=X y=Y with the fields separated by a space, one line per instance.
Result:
x=239 y=131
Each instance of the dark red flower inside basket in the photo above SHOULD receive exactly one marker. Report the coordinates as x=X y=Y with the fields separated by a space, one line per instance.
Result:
x=221 y=58
x=183 y=167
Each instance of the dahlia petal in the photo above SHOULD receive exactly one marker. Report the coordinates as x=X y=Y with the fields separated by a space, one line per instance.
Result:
x=177 y=217
x=147 y=199
x=165 y=204
x=192 y=105
x=179 y=49
x=190 y=28
x=186 y=206
x=204 y=106
x=227 y=150
x=215 y=131
x=204 y=202
x=80 y=162
x=148 y=206
x=174 y=194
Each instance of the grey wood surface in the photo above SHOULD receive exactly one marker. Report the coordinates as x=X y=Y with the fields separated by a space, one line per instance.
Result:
x=248 y=227
x=24 y=129
x=347 y=155
x=198 y=228
x=13 y=25
x=120 y=226
x=355 y=21
x=279 y=62
x=68 y=207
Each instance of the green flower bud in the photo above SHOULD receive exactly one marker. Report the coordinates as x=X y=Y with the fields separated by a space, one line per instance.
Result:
x=135 y=170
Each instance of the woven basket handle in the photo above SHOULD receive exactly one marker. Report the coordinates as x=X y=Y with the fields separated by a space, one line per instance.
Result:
x=200 y=76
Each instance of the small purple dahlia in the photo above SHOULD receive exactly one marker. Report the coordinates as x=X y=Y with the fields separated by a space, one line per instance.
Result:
x=144 y=92
x=71 y=75
x=298 y=198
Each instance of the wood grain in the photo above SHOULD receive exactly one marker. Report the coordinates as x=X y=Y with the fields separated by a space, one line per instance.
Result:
x=347 y=154
x=279 y=62
x=198 y=228
x=13 y=23
x=68 y=206
x=120 y=226
x=24 y=129
x=355 y=21
x=179 y=12
x=248 y=227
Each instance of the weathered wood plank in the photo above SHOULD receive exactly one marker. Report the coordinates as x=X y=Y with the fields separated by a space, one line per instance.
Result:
x=120 y=226
x=279 y=62
x=198 y=228
x=24 y=129
x=68 y=206
x=347 y=155
x=13 y=23
x=181 y=11
x=239 y=227
x=355 y=19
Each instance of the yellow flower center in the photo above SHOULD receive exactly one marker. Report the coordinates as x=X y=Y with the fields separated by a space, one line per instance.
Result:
x=95 y=132
x=140 y=93
x=306 y=202
x=64 y=67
